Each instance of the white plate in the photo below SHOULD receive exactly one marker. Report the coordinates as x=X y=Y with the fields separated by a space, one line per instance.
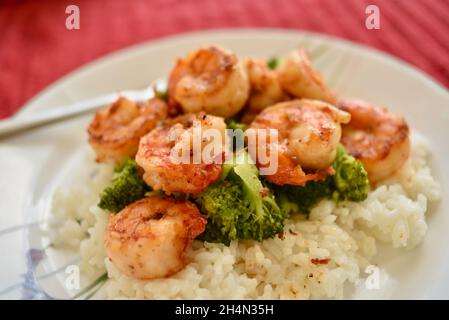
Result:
x=33 y=164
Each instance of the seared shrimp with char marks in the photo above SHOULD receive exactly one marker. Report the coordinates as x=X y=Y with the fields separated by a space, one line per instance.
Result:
x=265 y=89
x=299 y=78
x=149 y=239
x=115 y=132
x=308 y=134
x=210 y=79
x=190 y=173
x=377 y=137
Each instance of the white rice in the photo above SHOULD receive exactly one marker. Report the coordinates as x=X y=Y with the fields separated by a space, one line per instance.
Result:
x=317 y=258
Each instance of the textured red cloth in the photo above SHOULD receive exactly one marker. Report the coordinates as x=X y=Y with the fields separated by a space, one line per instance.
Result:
x=36 y=48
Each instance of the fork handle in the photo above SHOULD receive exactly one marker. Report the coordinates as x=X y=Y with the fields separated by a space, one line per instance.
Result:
x=18 y=124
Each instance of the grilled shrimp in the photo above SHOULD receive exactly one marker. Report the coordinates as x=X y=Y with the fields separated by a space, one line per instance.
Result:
x=158 y=152
x=115 y=132
x=265 y=88
x=298 y=78
x=377 y=137
x=308 y=134
x=149 y=238
x=210 y=79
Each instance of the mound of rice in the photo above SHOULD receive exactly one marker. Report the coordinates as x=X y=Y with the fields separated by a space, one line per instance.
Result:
x=325 y=256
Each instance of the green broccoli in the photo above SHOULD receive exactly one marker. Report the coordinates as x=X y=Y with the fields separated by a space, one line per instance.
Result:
x=238 y=136
x=351 y=179
x=222 y=203
x=126 y=187
x=233 y=124
x=239 y=206
x=302 y=198
x=161 y=93
x=350 y=182
x=273 y=63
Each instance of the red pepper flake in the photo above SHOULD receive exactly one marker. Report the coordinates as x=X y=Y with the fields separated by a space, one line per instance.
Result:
x=264 y=192
x=317 y=261
x=281 y=235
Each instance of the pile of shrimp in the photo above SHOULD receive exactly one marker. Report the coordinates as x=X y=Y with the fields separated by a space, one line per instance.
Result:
x=149 y=238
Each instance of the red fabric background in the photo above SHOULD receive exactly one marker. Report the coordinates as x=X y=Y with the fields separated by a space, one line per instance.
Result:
x=36 y=48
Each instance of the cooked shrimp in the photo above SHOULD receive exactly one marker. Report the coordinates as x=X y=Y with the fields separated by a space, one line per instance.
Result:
x=149 y=238
x=298 y=78
x=158 y=151
x=377 y=137
x=210 y=79
x=265 y=88
x=308 y=134
x=115 y=131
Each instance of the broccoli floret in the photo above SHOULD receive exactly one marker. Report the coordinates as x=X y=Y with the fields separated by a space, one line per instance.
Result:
x=302 y=198
x=222 y=203
x=273 y=63
x=351 y=179
x=161 y=93
x=233 y=124
x=127 y=186
x=265 y=219
x=350 y=182
x=238 y=137
x=239 y=206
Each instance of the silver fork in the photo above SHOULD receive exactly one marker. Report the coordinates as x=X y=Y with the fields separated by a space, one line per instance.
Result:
x=16 y=125
x=337 y=61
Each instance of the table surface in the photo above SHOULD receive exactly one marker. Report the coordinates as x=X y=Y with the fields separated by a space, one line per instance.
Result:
x=37 y=48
